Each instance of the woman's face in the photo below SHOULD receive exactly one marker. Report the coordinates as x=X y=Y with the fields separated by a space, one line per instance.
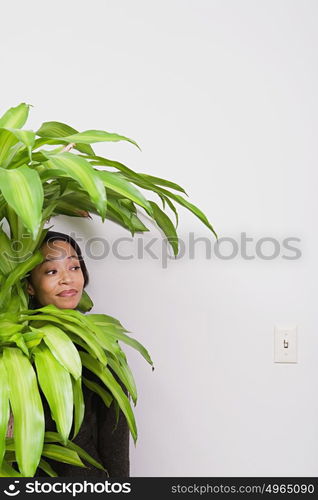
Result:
x=58 y=280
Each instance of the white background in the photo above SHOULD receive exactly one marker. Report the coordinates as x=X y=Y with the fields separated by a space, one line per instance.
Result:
x=222 y=98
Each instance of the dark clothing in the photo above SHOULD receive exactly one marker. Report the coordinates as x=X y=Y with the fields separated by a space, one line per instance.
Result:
x=95 y=436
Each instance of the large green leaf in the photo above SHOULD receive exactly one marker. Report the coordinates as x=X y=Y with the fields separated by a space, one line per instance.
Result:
x=115 y=331
x=113 y=216
x=92 y=136
x=124 y=373
x=54 y=437
x=15 y=117
x=45 y=466
x=56 y=453
x=32 y=339
x=119 y=184
x=113 y=386
x=85 y=326
x=6 y=470
x=131 y=221
x=62 y=348
x=149 y=183
x=26 y=137
x=9 y=145
x=105 y=319
x=166 y=225
x=162 y=182
x=22 y=189
x=65 y=208
x=58 y=129
x=82 y=172
x=75 y=197
x=195 y=210
x=116 y=212
x=18 y=273
x=29 y=245
x=75 y=201
x=7 y=329
x=18 y=154
x=62 y=454
x=179 y=199
x=27 y=410
x=144 y=183
x=18 y=339
x=56 y=385
x=104 y=395
x=9 y=317
x=83 y=333
x=4 y=405
x=7 y=261
x=128 y=172
x=86 y=303
x=12 y=153
x=171 y=205
x=79 y=405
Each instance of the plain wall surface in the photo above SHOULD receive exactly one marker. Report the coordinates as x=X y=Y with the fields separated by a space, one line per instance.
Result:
x=222 y=98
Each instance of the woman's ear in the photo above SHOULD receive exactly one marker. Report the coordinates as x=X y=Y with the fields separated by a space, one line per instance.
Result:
x=30 y=289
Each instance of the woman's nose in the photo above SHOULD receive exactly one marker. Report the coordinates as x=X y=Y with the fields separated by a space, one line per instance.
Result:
x=66 y=277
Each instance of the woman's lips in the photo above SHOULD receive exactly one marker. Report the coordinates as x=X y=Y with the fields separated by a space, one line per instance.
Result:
x=67 y=293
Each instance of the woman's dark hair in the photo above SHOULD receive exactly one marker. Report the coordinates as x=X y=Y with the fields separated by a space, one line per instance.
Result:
x=49 y=238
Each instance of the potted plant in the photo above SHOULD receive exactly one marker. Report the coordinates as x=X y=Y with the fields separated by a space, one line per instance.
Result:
x=37 y=182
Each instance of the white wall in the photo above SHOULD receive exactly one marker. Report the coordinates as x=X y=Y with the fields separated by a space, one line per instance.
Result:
x=222 y=98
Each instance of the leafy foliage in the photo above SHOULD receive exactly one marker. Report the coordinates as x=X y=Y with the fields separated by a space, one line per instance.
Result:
x=38 y=347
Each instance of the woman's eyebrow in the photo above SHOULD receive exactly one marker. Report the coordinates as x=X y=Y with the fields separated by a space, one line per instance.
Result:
x=58 y=258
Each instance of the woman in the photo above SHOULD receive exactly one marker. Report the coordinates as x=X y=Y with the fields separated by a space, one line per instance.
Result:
x=60 y=280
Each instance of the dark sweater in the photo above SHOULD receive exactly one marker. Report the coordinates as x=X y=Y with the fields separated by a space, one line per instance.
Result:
x=95 y=436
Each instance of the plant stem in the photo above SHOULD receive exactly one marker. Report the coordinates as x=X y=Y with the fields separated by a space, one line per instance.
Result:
x=68 y=147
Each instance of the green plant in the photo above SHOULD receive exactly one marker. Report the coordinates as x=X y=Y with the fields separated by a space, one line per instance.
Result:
x=38 y=347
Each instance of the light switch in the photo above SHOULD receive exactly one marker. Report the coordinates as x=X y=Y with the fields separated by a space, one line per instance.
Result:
x=285 y=348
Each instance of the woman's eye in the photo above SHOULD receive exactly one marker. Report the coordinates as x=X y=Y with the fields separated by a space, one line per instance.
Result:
x=54 y=270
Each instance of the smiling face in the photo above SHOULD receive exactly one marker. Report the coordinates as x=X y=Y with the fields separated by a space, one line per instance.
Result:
x=58 y=280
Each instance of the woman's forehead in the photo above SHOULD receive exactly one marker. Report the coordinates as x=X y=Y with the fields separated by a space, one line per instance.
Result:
x=58 y=249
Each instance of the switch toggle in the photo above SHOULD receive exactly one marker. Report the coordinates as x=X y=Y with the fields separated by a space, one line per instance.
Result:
x=285 y=348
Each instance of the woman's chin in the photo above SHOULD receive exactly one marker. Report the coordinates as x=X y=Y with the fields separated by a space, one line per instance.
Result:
x=67 y=302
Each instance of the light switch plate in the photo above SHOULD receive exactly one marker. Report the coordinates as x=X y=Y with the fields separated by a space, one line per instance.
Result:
x=285 y=345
